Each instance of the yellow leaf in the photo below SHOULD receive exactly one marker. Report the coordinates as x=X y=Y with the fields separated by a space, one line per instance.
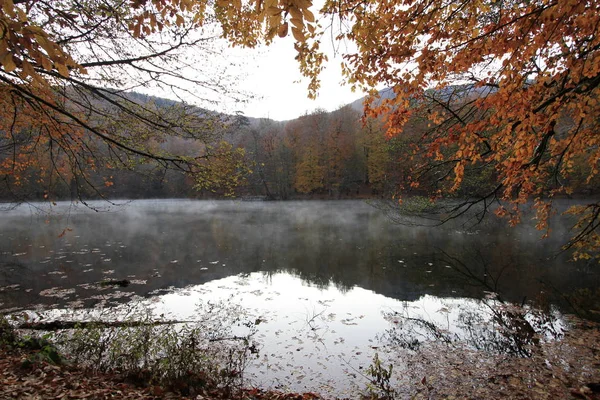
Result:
x=270 y=3
x=8 y=7
x=309 y=16
x=26 y=70
x=35 y=29
x=303 y=3
x=274 y=20
x=295 y=13
x=46 y=45
x=46 y=64
x=273 y=11
x=62 y=69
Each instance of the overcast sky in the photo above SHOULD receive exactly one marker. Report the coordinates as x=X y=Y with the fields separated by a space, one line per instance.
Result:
x=269 y=74
x=272 y=77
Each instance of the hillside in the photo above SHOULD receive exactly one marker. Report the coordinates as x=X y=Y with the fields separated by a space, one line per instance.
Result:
x=318 y=155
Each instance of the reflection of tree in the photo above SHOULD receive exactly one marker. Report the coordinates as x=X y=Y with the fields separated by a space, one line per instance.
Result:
x=489 y=325
x=339 y=244
x=489 y=278
x=518 y=280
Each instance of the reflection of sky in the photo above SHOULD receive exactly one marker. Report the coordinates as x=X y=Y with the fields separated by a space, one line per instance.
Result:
x=345 y=243
x=319 y=339
x=310 y=338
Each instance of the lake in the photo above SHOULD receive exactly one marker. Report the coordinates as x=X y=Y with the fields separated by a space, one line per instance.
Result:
x=333 y=282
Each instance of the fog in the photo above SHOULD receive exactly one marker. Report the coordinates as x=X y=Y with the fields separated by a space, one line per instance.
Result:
x=159 y=244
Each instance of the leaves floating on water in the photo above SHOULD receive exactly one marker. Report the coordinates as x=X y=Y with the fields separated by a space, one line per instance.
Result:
x=57 y=292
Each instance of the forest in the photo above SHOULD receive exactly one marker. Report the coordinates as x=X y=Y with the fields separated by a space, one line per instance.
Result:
x=496 y=104
x=320 y=155
x=477 y=109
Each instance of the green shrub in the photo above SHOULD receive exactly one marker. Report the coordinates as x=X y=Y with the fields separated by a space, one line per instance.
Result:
x=380 y=385
x=7 y=333
x=185 y=357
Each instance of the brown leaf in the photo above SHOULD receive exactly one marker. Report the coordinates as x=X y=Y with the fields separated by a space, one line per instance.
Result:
x=283 y=30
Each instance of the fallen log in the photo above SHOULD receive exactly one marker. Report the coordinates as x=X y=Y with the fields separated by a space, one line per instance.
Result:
x=60 y=325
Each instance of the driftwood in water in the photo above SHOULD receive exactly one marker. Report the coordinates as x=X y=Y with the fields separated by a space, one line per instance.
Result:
x=115 y=282
x=58 y=325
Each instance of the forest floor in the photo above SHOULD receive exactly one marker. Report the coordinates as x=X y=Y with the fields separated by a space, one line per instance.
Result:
x=22 y=379
x=568 y=368
x=565 y=369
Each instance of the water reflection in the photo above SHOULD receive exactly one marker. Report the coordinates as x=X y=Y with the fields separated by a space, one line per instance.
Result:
x=348 y=244
x=332 y=283
x=488 y=325
x=315 y=338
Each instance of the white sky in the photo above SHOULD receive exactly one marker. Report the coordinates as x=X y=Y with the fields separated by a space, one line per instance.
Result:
x=272 y=76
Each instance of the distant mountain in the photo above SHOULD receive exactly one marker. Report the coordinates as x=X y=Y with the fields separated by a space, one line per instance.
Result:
x=163 y=102
x=442 y=94
x=358 y=105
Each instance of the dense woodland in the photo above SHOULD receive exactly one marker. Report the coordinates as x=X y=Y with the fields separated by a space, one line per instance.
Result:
x=324 y=155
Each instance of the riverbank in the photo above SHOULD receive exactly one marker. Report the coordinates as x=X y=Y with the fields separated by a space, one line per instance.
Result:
x=564 y=369
x=32 y=367
x=20 y=378
x=23 y=377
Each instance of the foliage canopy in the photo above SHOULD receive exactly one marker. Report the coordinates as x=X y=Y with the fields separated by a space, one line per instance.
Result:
x=67 y=70
x=509 y=84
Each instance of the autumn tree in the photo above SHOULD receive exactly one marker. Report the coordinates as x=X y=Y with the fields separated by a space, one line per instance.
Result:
x=340 y=146
x=271 y=169
x=67 y=70
x=310 y=165
x=278 y=159
x=376 y=152
x=510 y=87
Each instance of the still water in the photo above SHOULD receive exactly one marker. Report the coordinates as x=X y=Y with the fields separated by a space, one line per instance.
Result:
x=334 y=282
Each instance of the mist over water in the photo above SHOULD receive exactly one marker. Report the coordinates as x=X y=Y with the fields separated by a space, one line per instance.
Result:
x=343 y=243
x=330 y=279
